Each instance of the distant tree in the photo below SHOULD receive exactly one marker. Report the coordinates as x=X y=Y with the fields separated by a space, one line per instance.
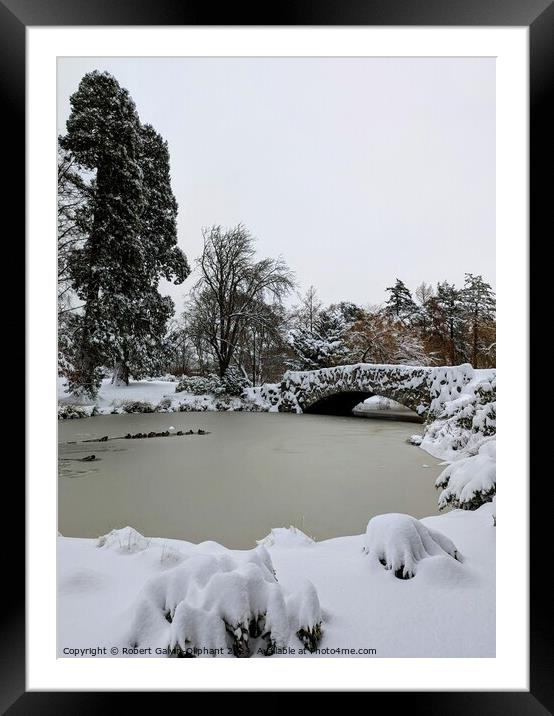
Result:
x=324 y=346
x=424 y=295
x=231 y=289
x=305 y=315
x=424 y=292
x=479 y=306
x=262 y=348
x=400 y=302
x=378 y=337
x=448 y=322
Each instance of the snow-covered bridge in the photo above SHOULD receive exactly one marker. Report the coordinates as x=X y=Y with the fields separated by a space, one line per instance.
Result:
x=337 y=390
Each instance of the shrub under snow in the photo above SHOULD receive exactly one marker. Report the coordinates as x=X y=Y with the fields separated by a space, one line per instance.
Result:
x=464 y=421
x=399 y=542
x=137 y=406
x=470 y=482
x=223 y=604
x=72 y=411
x=232 y=383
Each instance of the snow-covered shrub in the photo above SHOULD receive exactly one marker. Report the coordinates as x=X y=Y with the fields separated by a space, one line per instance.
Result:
x=305 y=614
x=470 y=482
x=200 y=385
x=71 y=412
x=164 y=405
x=222 y=604
x=399 y=542
x=232 y=383
x=235 y=382
x=464 y=421
x=137 y=406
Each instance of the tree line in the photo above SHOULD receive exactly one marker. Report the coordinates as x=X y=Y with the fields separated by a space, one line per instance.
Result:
x=117 y=237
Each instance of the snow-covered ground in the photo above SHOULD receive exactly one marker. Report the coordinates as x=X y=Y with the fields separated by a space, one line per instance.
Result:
x=405 y=588
x=107 y=594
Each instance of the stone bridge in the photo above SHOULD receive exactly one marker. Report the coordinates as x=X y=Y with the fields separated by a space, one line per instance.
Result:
x=337 y=390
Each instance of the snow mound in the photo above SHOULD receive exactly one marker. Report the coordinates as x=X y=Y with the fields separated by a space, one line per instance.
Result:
x=286 y=537
x=126 y=539
x=400 y=541
x=471 y=481
x=221 y=604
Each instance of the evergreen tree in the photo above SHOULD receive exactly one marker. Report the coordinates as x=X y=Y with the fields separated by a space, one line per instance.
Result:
x=449 y=321
x=479 y=307
x=130 y=226
x=72 y=193
x=323 y=347
x=400 y=302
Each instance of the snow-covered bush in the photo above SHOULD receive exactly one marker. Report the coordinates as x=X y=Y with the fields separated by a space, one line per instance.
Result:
x=164 y=405
x=223 y=604
x=232 y=383
x=200 y=385
x=235 y=382
x=137 y=406
x=470 y=482
x=71 y=411
x=464 y=421
x=305 y=614
x=399 y=542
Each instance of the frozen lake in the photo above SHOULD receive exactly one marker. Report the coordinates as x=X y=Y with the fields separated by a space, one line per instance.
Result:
x=253 y=471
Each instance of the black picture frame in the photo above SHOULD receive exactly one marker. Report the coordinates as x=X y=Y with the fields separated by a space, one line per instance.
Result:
x=538 y=15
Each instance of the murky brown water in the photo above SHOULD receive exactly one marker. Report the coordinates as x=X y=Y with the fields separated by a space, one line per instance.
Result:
x=254 y=471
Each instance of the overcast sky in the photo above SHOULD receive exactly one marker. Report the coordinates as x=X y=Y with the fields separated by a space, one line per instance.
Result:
x=355 y=170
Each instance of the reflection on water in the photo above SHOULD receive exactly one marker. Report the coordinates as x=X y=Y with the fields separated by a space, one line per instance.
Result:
x=254 y=471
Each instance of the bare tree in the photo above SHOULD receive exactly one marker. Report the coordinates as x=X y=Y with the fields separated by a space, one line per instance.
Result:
x=305 y=315
x=424 y=292
x=231 y=289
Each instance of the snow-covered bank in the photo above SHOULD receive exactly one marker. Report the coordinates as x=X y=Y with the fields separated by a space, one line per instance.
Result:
x=152 y=396
x=149 y=593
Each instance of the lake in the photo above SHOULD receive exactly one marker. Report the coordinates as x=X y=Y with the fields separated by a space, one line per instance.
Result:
x=326 y=475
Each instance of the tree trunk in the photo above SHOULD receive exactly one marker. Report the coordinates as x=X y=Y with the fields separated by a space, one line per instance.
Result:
x=475 y=342
x=120 y=374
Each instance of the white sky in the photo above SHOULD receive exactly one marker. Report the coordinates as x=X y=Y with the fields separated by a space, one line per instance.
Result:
x=355 y=170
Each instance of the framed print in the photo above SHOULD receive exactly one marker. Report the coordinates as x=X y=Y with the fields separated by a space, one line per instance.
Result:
x=286 y=255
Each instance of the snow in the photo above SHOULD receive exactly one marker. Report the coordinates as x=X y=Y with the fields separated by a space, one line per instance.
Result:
x=377 y=402
x=399 y=542
x=111 y=596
